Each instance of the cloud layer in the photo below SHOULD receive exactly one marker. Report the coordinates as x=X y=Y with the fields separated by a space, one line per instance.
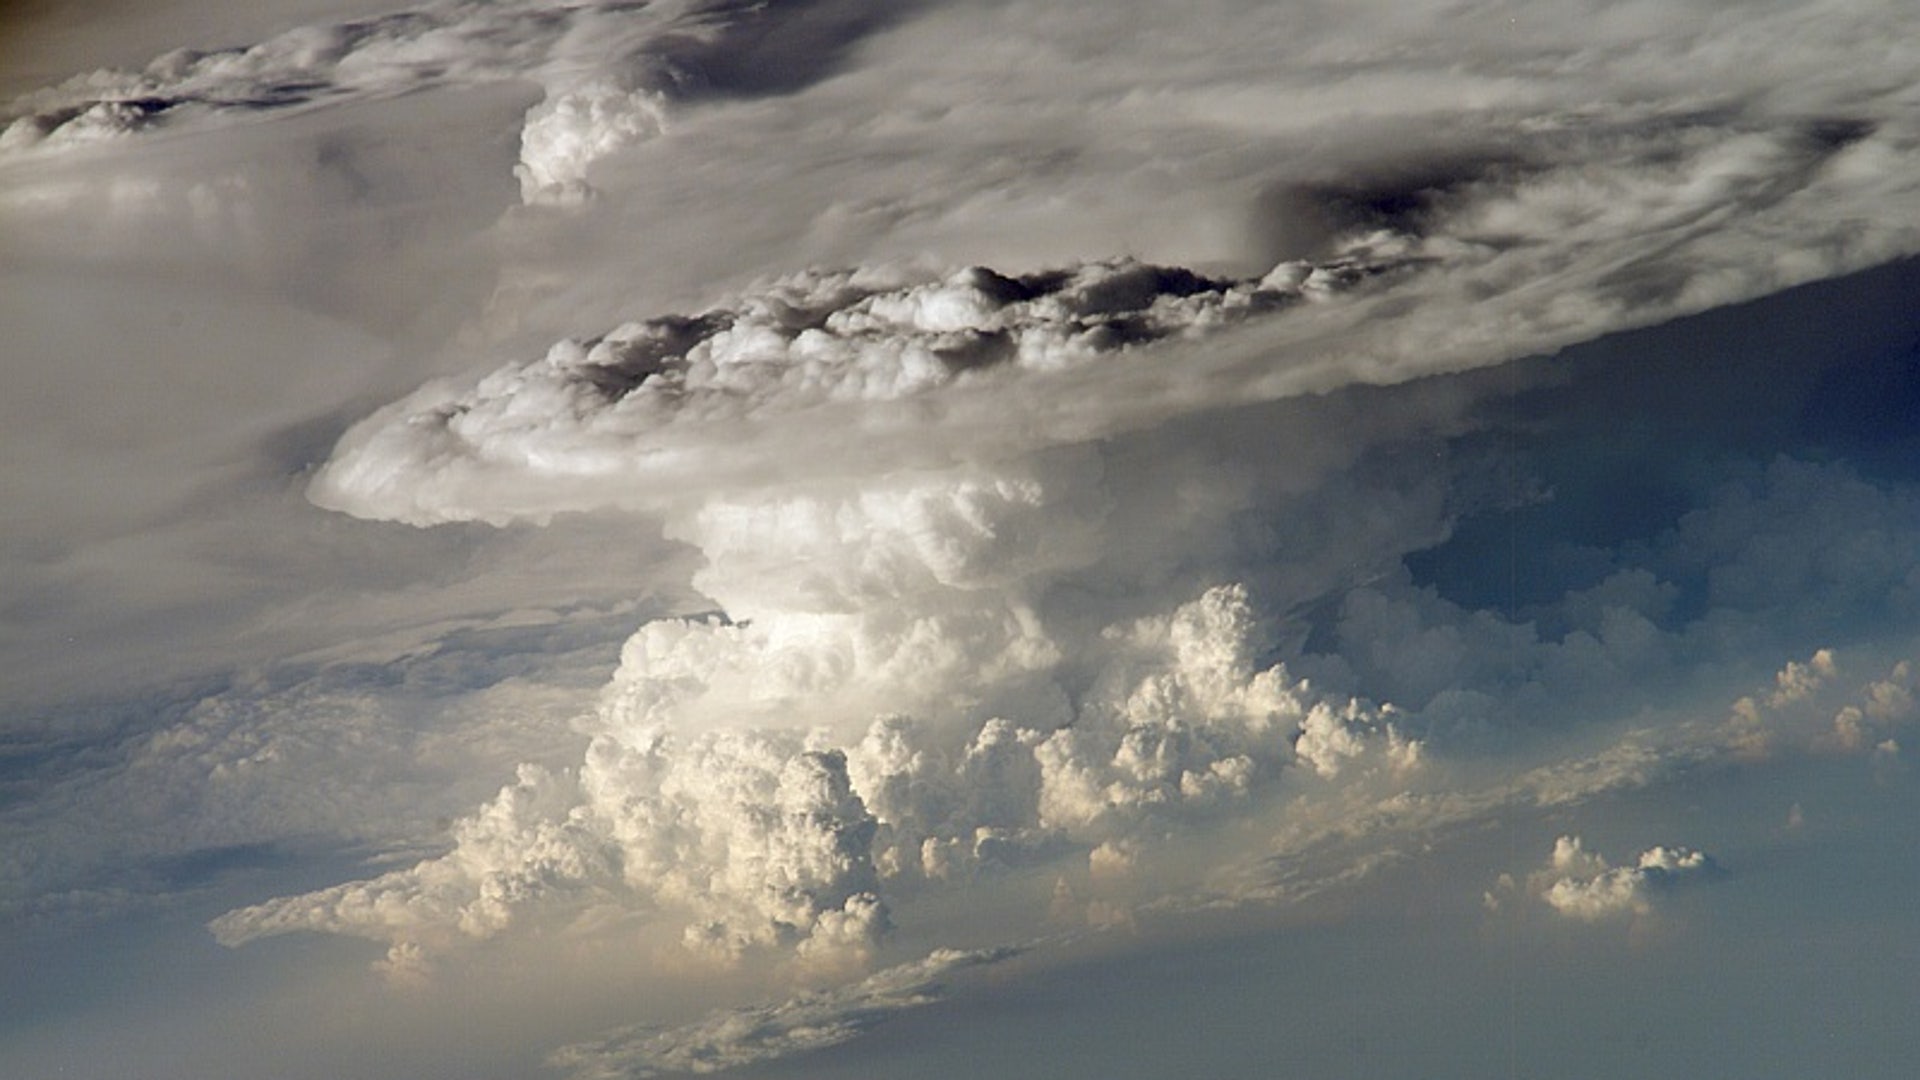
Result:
x=1581 y=885
x=734 y=1038
x=643 y=413
x=1089 y=457
x=609 y=72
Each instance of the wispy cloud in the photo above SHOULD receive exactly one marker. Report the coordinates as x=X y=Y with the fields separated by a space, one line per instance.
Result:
x=736 y=1037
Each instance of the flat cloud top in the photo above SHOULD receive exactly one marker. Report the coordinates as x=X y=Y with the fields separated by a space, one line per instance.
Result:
x=1554 y=224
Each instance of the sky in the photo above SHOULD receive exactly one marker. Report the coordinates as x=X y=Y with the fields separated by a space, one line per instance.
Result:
x=953 y=538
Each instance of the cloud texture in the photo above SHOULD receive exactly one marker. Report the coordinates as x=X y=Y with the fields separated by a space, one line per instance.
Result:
x=1582 y=886
x=1094 y=469
x=740 y=1037
x=772 y=837
x=608 y=71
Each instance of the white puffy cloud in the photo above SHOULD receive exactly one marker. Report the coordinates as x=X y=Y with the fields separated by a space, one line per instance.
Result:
x=752 y=840
x=891 y=698
x=1580 y=885
x=776 y=838
x=1821 y=705
x=569 y=131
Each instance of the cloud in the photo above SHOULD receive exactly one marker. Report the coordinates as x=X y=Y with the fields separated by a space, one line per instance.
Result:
x=885 y=363
x=925 y=677
x=1580 y=885
x=737 y=1037
x=566 y=133
x=1819 y=706
x=609 y=72
x=385 y=55
x=155 y=797
x=777 y=838
x=760 y=840
x=598 y=422
x=1079 y=432
x=1331 y=837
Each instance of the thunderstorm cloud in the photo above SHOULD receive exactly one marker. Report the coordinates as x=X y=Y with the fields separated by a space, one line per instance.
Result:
x=695 y=533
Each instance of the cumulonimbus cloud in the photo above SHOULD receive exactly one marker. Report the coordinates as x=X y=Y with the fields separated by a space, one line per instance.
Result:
x=636 y=416
x=954 y=642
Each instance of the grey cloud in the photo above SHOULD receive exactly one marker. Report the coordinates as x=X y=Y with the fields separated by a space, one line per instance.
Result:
x=776 y=48
x=1813 y=547
x=404 y=51
x=595 y=421
x=337 y=758
x=609 y=70
x=734 y=1038
x=1610 y=230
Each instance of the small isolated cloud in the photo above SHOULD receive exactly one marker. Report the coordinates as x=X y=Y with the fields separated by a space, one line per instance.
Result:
x=733 y=1038
x=1579 y=884
x=568 y=132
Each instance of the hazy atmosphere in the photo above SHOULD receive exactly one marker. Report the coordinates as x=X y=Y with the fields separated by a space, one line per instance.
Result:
x=959 y=538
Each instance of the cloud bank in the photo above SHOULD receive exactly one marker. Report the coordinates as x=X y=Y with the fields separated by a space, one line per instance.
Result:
x=778 y=838
x=609 y=72
x=734 y=1038
x=1591 y=233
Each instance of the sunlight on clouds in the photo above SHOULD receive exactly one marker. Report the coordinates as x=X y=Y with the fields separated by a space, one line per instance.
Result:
x=740 y=1037
x=1581 y=885
x=807 y=502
